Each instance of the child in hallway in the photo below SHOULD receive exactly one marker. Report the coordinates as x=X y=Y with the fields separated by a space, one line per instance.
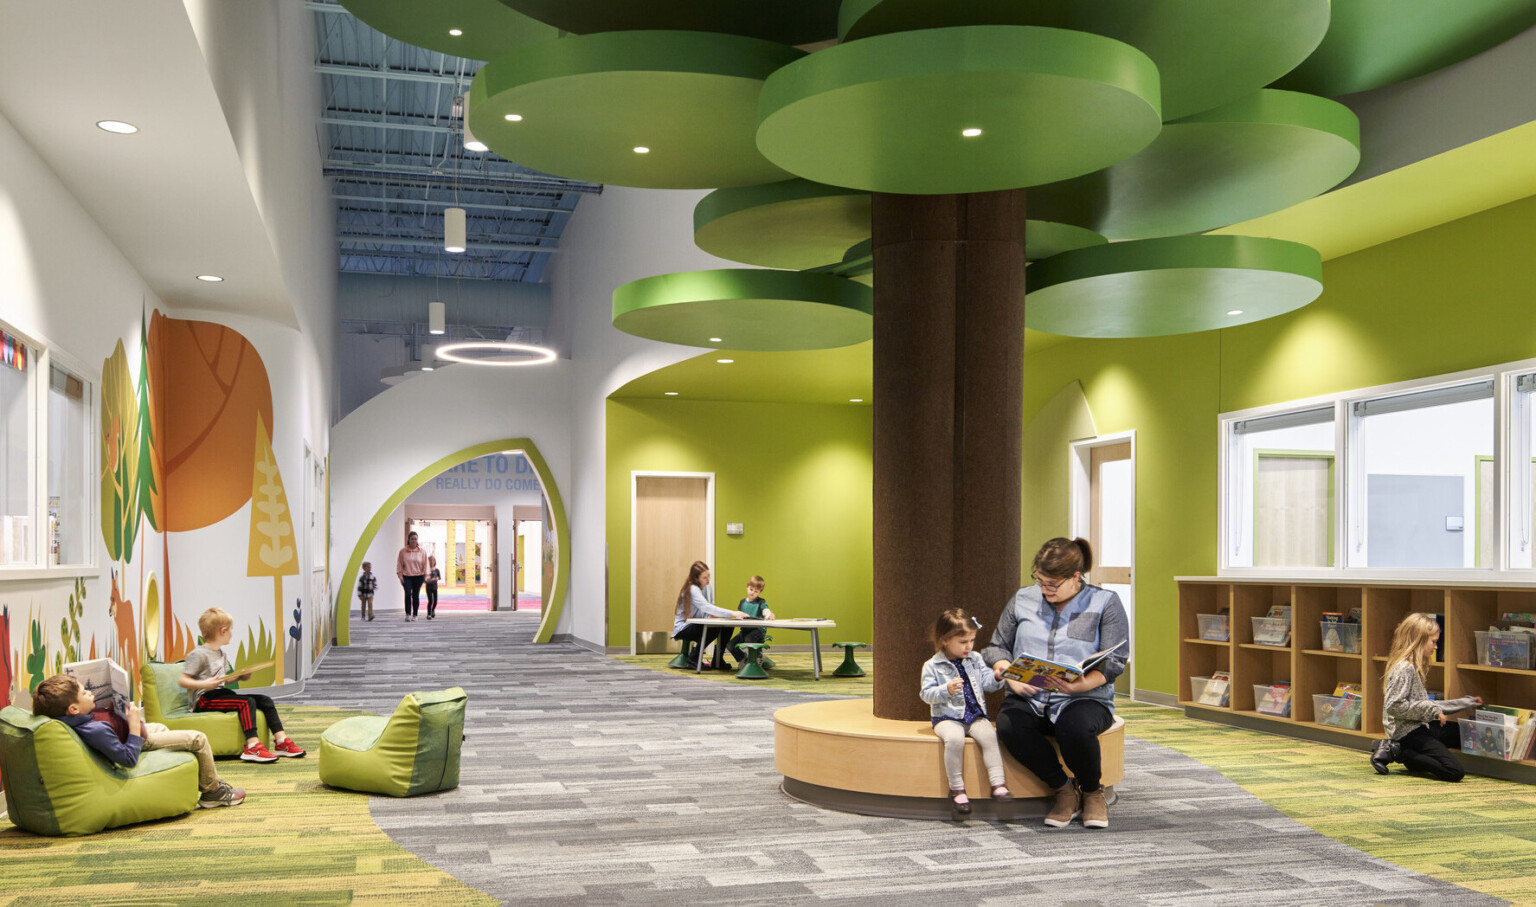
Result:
x=63 y=698
x=367 y=585
x=204 y=676
x=953 y=682
x=1417 y=733
x=433 y=577
x=754 y=606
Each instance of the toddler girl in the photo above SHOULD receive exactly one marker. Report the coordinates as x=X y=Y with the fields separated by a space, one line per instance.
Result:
x=953 y=682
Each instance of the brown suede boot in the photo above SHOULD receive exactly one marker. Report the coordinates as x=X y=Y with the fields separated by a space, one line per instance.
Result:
x=1066 y=808
x=1095 y=810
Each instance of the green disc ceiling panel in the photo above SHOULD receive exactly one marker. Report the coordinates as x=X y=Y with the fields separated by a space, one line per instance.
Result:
x=1210 y=52
x=1174 y=285
x=1044 y=238
x=489 y=28
x=1371 y=43
x=795 y=224
x=784 y=21
x=1263 y=154
x=887 y=113
x=587 y=103
x=746 y=309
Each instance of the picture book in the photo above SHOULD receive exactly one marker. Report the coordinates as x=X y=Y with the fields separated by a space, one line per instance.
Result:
x=1520 y=716
x=1490 y=716
x=1276 y=699
x=1346 y=688
x=1495 y=741
x=1033 y=670
x=1339 y=712
x=1354 y=615
x=1279 y=611
x=105 y=679
x=247 y=669
x=1333 y=641
x=1522 y=617
x=1271 y=631
x=1509 y=650
x=1217 y=690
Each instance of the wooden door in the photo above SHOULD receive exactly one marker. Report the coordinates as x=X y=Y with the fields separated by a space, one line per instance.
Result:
x=1112 y=529
x=671 y=532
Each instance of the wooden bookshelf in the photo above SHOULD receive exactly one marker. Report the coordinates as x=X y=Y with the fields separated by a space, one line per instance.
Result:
x=1310 y=669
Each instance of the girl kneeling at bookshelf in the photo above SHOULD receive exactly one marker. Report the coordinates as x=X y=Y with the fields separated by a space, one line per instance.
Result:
x=953 y=682
x=1417 y=733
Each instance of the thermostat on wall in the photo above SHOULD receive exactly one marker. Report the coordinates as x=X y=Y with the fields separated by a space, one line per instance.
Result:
x=734 y=528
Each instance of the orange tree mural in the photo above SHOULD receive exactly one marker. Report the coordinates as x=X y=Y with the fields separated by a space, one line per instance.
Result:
x=209 y=392
x=272 y=549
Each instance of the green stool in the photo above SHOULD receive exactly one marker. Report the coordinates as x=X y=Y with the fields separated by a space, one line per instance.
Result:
x=683 y=659
x=768 y=662
x=752 y=668
x=849 y=667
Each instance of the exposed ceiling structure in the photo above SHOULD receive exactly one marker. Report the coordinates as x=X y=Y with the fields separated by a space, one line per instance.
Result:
x=392 y=128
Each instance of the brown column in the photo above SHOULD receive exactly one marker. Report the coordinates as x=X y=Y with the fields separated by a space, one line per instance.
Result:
x=948 y=384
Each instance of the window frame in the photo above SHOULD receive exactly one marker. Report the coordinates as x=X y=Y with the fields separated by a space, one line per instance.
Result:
x=44 y=356
x=1348 y=501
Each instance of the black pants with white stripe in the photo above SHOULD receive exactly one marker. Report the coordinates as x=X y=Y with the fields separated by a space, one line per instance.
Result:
x=244 y=705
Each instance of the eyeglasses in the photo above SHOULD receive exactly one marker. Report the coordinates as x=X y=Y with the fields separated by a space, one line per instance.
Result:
x=1051 y=587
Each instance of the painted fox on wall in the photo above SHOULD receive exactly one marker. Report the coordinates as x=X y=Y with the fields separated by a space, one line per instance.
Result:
x=125 y=648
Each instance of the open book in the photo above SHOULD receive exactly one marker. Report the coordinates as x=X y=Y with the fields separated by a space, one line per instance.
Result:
x=248 y=669
x=105 y=679
x=1033 y=670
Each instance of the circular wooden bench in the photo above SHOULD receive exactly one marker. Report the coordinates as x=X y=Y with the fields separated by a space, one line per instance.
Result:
x=837 y=754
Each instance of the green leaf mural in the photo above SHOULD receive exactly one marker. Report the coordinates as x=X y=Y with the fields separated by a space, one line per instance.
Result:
x=37 y=657
x=121 y=499
x=144 y=484
x=258 y=649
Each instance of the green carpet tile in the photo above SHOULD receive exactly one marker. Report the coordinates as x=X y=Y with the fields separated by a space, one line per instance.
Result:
x=1480 y=833
x=293 y=841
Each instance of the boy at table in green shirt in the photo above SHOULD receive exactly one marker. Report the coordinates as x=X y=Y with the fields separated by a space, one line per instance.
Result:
x=756 y=607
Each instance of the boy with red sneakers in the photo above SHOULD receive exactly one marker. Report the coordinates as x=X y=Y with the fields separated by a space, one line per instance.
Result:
x=121 y=739
x=203 y=677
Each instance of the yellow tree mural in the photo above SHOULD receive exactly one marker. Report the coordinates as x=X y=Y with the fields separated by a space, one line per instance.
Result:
x=272 y=549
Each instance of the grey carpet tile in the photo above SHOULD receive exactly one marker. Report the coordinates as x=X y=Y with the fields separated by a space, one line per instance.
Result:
x=591 y=781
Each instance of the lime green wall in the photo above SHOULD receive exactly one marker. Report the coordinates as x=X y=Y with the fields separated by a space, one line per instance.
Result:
x=798 y=476
x=1452 y=298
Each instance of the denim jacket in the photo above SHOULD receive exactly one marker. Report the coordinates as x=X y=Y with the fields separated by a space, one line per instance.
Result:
x=938 y=671
x=1092 y=621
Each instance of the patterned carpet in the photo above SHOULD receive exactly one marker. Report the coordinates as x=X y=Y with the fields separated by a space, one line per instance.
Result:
x=589 y=780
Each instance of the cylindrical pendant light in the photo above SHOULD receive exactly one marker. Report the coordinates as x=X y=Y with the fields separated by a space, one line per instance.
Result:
x=428 y=355
x=453 y=229
x=470 y=142
x=436 y=317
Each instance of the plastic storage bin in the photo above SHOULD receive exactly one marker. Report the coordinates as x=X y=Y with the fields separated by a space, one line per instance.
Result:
x=1487 y=738
x=1210 y=691
x=1272 y=631
x=1214 y=627
x=1339 y=637
x=1502 y=649
x=1338 y=711
x=1272 y=700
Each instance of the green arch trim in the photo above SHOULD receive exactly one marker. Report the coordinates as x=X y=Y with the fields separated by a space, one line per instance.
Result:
x=551 y=493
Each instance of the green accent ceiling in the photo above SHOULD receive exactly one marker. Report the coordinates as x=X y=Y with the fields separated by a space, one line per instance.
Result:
x=748 y=309
x=1371 y=43
x=1259 y=155
x=1044 y=238
x=1174 y=285
x=1210 y=52
x=490 y=27
x=794 y=224
x=587 y=102
x=784 y=21
x=886 y=113
x=797 y=376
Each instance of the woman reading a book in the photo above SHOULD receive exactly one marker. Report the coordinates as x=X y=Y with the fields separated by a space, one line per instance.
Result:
x=1064 y=619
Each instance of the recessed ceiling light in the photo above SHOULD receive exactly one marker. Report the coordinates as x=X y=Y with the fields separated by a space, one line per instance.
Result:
x=725 y=361
x=641 y=149
x=117 y=126
x=855 y=399
x=671 y=393
x=455 y=32
x=513 y=118
x=1234 y=311
x=717 y=340
x=210 y=278
x=970 y=133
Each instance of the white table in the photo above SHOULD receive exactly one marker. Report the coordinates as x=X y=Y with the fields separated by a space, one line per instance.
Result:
x=811 y=624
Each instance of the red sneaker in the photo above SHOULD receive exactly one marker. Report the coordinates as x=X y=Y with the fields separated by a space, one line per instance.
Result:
x=257 y=753
x=288 y=748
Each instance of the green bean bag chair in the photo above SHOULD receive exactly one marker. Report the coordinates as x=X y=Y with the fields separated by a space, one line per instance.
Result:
x=56 y=785
x=414 y=751
x=165 y=702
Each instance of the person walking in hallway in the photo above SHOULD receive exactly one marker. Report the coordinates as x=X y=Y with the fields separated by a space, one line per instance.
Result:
x=411 y=567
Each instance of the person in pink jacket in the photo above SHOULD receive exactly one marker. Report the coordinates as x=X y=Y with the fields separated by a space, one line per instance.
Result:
x=411 y=568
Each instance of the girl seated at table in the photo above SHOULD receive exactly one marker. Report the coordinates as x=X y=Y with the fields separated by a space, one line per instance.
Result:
x=697 y=599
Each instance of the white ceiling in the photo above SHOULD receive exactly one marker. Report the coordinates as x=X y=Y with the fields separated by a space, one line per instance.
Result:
x=174 y=197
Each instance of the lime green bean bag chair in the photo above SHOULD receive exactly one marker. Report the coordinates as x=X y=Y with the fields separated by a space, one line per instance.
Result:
x=414 y=751
x=166 y=702
x=56 y=785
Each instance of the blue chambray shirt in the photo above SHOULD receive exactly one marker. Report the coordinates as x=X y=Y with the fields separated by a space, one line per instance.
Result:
x=1091 y=621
